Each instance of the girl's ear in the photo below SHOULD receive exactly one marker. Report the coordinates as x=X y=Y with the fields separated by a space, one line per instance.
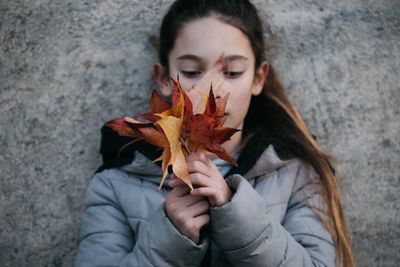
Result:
x=160 y=75
x=260 y=78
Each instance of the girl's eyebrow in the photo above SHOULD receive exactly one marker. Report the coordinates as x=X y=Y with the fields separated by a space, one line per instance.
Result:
x=228 y=58
x=190 y=57
x=234 y=57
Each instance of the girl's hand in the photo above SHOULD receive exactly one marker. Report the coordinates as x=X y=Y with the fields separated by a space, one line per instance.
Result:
x=207 y=180
x=187 y=212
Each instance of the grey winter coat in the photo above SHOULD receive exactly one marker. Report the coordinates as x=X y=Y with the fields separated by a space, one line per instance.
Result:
x=270 y=221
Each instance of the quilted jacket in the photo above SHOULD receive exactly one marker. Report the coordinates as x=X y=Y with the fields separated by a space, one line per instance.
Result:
x=270 y=221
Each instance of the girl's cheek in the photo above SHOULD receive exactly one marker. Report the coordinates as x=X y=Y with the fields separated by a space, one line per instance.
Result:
x=185 y=83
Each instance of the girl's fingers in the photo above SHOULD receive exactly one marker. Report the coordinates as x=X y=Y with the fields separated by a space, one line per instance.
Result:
x=189 y=200
x=198 y=156
x=204 y=191
x=180 y=190
x=215 y=197
x=175 y=181
x=197 y=179
x=200 y=180
x=202 y=220
x=198 y=208
x=198 y=166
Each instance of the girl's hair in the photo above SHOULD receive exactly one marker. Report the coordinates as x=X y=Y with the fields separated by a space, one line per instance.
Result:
x=272 y=109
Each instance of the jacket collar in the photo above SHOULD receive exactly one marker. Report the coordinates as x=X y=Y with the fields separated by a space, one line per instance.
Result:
x=142 y=167
x=269 y=161
x=258 y=156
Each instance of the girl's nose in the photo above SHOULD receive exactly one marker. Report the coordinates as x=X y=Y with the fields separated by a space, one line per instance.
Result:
x=219 y=88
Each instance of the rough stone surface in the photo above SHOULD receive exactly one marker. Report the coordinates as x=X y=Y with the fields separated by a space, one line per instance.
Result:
x=67 y=66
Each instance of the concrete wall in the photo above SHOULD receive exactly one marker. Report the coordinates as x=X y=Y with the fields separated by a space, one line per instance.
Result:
x=67 y=66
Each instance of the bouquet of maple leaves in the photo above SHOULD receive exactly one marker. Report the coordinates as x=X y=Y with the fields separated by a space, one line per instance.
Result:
x=179 y=129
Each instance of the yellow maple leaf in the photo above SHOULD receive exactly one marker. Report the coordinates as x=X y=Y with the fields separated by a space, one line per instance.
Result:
x=171 y=123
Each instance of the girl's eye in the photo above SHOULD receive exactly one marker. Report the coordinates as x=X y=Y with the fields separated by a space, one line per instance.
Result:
x=191 y=74
x=233 y=74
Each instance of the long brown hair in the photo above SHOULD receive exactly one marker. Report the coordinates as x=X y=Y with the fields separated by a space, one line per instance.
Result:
x=272 y=109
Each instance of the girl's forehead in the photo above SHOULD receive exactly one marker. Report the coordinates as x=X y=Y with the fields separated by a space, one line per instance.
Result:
x=210 y=38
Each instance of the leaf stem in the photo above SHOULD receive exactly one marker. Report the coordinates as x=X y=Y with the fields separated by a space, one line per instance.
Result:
x=184 y=144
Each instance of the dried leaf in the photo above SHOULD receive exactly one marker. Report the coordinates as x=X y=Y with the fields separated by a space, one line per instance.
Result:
x=126 y=126
x=211 y=78
x=171 y=126
x=180 y=129
x=157 y=103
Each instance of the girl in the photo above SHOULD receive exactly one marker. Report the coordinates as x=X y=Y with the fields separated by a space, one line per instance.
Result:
x=281 y=205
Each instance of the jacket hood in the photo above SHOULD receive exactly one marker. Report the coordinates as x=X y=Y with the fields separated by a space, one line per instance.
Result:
x=257 y=156
x=269 y=161
x=144 y=168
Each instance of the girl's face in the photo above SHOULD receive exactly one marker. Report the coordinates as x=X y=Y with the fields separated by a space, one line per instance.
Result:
x=198 y=46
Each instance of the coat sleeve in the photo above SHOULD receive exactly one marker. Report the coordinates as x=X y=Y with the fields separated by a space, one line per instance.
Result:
x=106 y=238
x=257 y=238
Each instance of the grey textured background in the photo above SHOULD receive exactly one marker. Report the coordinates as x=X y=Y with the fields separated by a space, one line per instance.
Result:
x=68 y=66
